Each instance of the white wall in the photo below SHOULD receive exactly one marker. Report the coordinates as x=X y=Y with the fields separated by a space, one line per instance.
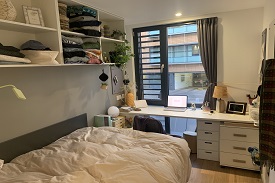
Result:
x=239 y=46
x=53 y=94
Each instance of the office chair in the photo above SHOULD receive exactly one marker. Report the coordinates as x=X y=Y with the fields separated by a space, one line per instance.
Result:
x=149 y=124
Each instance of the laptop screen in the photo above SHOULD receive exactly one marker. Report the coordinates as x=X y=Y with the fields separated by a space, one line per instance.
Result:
x=177 y=101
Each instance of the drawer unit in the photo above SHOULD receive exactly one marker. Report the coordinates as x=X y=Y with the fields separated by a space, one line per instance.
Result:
x=208 y=140
x=208 y=145
x=209 y=135
x=208 y=125
x=236 y=147
x=243 y=134
x=234 y=142
x=237 y=160
x=208 y=154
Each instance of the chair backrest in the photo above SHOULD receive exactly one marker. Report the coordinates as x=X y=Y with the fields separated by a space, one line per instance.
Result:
x=148 y=124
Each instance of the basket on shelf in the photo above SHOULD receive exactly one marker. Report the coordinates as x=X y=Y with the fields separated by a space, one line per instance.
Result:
x=7 y=10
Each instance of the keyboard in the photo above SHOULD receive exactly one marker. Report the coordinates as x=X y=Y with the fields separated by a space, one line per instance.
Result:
x=175 y=109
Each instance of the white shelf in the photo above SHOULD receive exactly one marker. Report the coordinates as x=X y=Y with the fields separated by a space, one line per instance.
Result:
x=103 y=39
x=107 y=40
x=70 y=33
x=23 y=27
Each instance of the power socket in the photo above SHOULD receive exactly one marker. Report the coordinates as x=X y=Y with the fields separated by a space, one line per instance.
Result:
x=118 y=97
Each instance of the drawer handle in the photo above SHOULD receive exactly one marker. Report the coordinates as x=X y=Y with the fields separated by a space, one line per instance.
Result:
x=207 y=132
x=238 y=161
x=239 y=135
x=239 y=148
x=208 y=142
x=208 y=123
x=208 y=152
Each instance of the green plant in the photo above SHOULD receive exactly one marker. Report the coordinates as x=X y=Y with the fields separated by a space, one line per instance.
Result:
x=116 y=33
x=122 y=54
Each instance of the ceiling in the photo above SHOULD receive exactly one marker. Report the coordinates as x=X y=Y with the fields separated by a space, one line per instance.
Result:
x=143 y=11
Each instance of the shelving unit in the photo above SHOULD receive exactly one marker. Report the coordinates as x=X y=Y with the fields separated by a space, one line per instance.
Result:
x=15 y=33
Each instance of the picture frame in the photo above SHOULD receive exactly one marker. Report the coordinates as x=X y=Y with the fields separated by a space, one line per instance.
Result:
x=33 y=15
x=236 y=107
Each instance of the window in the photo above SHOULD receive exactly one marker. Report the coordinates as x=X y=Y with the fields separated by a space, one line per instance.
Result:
x=168 y=62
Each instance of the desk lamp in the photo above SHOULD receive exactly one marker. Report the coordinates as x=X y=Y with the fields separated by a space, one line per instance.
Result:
x=16 y=91
x=219 y=93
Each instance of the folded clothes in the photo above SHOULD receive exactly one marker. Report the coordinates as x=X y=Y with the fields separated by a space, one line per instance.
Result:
x=95 y=51
x=69 y=43
x=34 y=45
x=86 y=27
x=89 y=32
x=72 y=49
x=90 y=45
x=90 y=40
x=73 y=40
x=76 y=60
x=11 y=63
x=74 y=11
x=74 y=54
x=11 y=53
x=9 y=48
x=82 y=18
x=14 y=59
x=85 y=23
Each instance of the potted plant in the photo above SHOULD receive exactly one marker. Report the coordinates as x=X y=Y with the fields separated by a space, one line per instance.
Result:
x=122 y=54
x=117 y=34
x=104 y=86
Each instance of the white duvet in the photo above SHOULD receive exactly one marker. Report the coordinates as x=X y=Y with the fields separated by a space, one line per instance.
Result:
x=106 y=155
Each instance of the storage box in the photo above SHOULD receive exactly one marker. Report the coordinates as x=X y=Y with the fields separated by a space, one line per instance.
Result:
x=102 y=120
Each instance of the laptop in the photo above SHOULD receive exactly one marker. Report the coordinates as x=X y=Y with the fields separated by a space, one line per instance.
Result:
x=177 y=103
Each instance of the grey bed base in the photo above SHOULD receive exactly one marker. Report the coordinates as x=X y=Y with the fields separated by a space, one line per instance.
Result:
x=40 y=138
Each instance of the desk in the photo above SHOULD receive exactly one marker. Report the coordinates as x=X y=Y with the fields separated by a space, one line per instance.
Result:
x=197 y=114
x=220 y=136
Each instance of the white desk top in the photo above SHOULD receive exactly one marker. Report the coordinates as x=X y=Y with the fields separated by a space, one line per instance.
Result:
x=197 y=114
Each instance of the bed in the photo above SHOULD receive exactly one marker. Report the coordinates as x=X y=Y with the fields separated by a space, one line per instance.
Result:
x=71 y=152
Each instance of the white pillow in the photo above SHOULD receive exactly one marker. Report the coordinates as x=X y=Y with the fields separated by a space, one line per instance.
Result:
x=41 y=57
x=1 y=163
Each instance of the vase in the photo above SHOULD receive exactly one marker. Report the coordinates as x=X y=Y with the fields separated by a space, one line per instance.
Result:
x=7 y=10
x=130 y=99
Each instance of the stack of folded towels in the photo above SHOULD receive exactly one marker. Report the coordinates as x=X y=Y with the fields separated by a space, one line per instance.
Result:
x=83 y=19
x=12 y=55
x=64 y=20
x=73 y=51
x=92 y=48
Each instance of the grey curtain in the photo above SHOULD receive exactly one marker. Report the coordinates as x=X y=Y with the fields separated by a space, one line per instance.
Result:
x=208 y=41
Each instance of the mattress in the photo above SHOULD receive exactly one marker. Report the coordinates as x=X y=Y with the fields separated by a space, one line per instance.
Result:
x=106 y=155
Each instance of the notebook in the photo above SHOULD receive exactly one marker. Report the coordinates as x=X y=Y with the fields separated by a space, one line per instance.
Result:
x=177 y=103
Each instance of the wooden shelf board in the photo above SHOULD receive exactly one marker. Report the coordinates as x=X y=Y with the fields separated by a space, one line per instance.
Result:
x=23 y=27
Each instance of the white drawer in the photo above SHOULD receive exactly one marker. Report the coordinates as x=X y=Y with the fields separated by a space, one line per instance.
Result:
x=236 y=147
x=237 y=160
x=208 y=145
x=239 y=134
x=209 y=155
x=208 y=135
x=208 y=125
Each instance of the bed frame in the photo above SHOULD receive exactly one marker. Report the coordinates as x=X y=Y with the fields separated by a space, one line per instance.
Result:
x=40 y=138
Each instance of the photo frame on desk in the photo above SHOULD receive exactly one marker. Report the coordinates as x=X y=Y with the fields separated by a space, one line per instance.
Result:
x=33 y=15
x=236 y=107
